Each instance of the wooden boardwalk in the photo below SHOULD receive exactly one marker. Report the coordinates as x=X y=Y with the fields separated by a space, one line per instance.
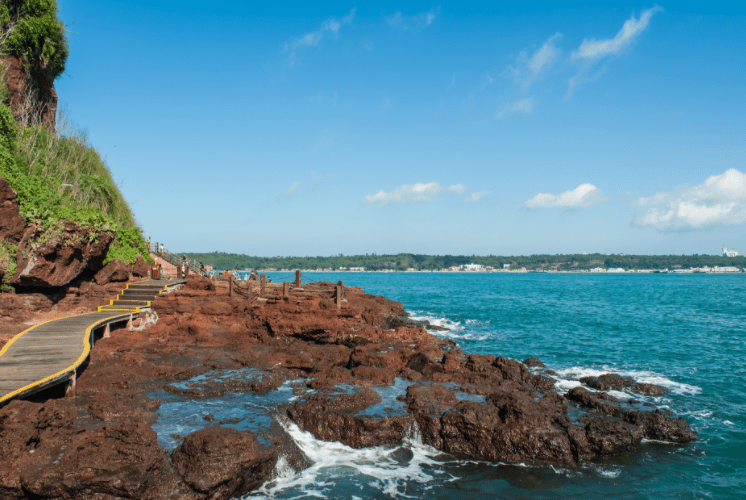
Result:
x=51 y=352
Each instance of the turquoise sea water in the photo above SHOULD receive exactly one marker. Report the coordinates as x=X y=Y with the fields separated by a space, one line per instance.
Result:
x=686 y=332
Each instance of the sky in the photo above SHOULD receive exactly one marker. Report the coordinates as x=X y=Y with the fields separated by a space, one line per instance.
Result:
x=307 y=128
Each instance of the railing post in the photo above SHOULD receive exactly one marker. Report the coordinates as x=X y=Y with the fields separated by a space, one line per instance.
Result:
x=186 y=271
x=341 y=288
x=297 y=278
x=178 y=271
x=261 y=285
x=286 y=291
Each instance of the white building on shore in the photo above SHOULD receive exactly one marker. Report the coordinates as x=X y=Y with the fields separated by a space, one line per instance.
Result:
x=729 y=253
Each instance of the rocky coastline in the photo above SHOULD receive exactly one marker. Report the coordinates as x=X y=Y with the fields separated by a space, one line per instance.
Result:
x=102 y=444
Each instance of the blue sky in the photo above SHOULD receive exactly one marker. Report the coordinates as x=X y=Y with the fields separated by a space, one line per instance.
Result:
x=303 y=129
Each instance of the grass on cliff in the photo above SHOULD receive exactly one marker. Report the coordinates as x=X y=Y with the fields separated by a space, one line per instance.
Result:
x=59 y=177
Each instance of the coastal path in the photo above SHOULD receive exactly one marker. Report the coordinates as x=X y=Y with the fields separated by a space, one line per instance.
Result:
x=52 y=352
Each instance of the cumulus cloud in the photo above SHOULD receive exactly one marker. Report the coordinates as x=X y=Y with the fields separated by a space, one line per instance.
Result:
x=312 y=39
x=597 y=49
x=719 y=201
x=476 y=196
x=415 y=192
x=520 y=106
x=582 y=196
x=421 y=20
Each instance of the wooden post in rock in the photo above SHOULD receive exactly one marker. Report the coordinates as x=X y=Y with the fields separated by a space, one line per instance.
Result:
x=186 y=271
x=230 y=284
x=297 y=278
x=178 y=271
x=70 y=386
x=339 y=297
x=261 y=285
x=286 y=291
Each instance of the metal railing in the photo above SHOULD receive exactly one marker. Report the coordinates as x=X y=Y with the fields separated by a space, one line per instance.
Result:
x=183 y=267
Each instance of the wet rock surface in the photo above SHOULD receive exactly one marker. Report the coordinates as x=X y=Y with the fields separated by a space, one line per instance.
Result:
x=361 y=374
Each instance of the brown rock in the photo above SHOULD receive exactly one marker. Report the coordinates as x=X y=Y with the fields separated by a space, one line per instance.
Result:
x=223 y=462
x=12 y=224
x=115 y=271
x=649 y=389
x=140 y=268
x=432 y=399
x=120 y=461
x=608 y=382
x=39 y=85
x=533 y=363
x=611 y=436
x=420 y=362
x=65 y=256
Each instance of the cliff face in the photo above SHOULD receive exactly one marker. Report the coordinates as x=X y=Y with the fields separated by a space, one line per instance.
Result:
x=31 y=94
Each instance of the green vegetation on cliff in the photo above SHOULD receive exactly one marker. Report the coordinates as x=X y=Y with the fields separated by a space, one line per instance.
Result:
x=59 y=176
x=403 y=261
x=35 y=35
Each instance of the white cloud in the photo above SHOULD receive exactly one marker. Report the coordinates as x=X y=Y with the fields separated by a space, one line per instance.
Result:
x=477 y=196
x=597 y=49
x=415 y=192
x=582 y=196
x=591 y=51
x=313 y=38
x=530 y=68
x=292 y=188
x=421 y=20
x=523 y=105
x=719 y=201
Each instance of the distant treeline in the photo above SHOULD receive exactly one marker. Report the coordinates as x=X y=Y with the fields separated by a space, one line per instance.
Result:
x=403 y=261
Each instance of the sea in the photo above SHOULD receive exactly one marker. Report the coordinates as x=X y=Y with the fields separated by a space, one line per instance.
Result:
x=684 y=332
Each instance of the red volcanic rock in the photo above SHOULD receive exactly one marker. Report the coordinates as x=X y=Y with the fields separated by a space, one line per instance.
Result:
x=115 y=271
x=533 y=363
x=649 y=389
x=12 y=224
x=512 y=429
x=421 y=363
x=432 y=399
x=60 y=259
x=140 y=268
x=199 y=283
x=41 y=83
x=223 y=462
x=610 y=436
x=608 y=381
x=121 y=460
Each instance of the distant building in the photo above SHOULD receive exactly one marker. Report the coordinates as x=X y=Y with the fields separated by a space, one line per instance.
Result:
x=729 y=253
x=506 y=266
x=472 y=267
x=615 y=270
x=357 y=269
